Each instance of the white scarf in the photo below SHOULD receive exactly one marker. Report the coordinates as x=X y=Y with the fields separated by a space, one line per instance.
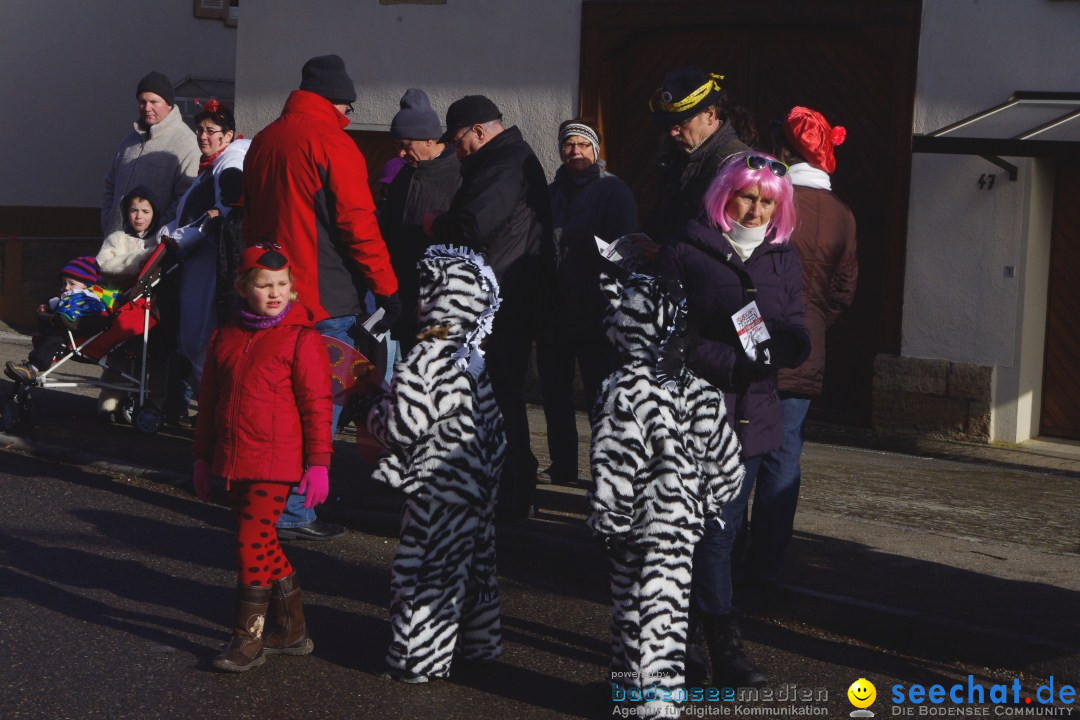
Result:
x=806 y=175
x=746 y=239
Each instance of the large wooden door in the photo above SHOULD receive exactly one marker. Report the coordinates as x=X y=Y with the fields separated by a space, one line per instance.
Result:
x=1060 y=415
x=851 y=59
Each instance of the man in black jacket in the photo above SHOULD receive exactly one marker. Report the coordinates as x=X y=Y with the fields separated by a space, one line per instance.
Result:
x=425 y=185
x=502 y=210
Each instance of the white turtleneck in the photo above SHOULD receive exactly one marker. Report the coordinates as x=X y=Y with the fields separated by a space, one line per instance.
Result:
x=746 y=239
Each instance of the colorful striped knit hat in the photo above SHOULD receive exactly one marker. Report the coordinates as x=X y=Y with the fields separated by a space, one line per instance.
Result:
x=84 y=269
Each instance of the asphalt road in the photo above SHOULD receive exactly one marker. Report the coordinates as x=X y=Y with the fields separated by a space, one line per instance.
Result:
x=115 y=594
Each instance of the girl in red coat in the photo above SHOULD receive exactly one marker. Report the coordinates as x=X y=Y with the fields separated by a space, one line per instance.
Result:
x=264 y=424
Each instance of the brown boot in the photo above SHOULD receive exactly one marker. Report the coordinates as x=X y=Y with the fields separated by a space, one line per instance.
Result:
x=245 y=649
x=290 y=635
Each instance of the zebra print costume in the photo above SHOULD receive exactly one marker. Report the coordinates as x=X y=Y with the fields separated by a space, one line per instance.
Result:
x=664 y=459
x=447 y=447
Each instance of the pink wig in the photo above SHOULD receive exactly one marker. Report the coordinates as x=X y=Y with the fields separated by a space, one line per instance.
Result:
x=734 y=176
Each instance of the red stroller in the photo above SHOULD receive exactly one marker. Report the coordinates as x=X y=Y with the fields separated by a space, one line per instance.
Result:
x=132 y=317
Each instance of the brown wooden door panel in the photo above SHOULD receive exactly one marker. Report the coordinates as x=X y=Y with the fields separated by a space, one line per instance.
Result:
x=852 y=60
x=1060 y=415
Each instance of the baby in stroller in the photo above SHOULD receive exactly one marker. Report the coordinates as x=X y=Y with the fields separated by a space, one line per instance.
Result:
x=82 y=305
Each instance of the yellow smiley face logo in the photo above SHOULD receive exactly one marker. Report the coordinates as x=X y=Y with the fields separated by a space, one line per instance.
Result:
x=862 y=693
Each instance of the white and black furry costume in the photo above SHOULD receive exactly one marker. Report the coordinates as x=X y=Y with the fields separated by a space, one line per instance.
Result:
x=664 y=459
x=447 y=448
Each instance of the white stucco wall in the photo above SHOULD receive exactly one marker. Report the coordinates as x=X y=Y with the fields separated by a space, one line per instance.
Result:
x=522 y=54
x=973 y=54
x=68 y=86
x=959 y=303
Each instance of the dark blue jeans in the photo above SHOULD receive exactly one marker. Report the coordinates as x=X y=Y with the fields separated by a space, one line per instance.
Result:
x=777 y=495
x=296 y=515
x=710 y=593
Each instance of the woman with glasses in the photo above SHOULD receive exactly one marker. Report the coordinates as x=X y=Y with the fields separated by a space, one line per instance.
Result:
x=743 y=283
x=586 y=202
x=201 y=227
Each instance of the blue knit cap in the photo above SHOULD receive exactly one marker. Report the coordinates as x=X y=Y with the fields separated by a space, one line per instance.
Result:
x=415 y=120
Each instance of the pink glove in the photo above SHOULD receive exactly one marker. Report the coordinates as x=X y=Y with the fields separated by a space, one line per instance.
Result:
x=202 y=480
x=315 y=485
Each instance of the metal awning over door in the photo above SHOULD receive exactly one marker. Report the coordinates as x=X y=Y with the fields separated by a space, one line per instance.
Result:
x=1028 y=124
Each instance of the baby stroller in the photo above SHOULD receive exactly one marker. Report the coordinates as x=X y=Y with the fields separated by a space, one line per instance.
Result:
x=131 y=317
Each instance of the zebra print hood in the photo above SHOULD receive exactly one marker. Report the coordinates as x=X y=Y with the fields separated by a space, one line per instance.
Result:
x=645 y=320
x=459 y=297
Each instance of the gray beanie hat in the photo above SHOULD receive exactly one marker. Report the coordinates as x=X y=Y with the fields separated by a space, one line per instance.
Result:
x=415 y=120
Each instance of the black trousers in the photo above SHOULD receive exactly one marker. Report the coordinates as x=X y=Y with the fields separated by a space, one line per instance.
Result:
x=507 y=353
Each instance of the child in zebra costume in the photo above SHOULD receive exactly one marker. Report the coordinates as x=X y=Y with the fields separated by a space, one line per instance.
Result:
x=664 y=460
x=447 y=447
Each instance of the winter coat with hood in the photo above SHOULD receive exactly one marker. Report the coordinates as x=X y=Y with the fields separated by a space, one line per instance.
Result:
x=164 y=157
x=825 y=240
x=196 y=235
x=717 y=284
x=124 y=252
x=684 y=178
x=306 y=188
x=265 y=404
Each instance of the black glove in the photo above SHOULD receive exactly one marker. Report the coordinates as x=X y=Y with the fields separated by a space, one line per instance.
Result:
x=391 y=305
x=749 y=371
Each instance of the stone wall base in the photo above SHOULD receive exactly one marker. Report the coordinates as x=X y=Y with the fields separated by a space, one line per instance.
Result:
x=936 y=397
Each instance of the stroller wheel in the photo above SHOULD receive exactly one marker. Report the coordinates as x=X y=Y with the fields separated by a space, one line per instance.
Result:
x=148 y=419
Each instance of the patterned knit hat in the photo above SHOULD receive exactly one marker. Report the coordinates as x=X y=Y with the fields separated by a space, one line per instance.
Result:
x=84 y=269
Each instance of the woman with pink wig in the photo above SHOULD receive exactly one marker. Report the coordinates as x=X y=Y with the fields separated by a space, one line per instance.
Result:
x=743 y=283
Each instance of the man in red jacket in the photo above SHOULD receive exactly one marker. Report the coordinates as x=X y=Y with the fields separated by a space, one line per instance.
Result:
x=306 y=190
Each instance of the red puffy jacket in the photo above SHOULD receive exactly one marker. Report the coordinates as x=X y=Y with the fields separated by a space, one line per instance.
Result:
x=265 y=404
x=306 y=188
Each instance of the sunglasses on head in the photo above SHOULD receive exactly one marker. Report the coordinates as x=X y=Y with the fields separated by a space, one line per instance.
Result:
x=756 y=162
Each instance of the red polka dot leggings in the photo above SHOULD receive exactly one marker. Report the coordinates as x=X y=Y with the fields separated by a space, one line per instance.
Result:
x=256 y=506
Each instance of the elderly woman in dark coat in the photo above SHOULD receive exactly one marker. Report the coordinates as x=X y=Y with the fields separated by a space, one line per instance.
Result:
x=737 y=254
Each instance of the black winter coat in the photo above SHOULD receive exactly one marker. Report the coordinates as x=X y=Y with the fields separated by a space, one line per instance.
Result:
x=718 y=283
x=684 y=178
x=592 y=204
x=501 y=208
x=415 y=191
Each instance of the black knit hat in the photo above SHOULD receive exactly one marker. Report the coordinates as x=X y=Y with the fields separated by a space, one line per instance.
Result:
x=469 y=110
x=325 y=75
x=686 y=92
x=158 y=84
